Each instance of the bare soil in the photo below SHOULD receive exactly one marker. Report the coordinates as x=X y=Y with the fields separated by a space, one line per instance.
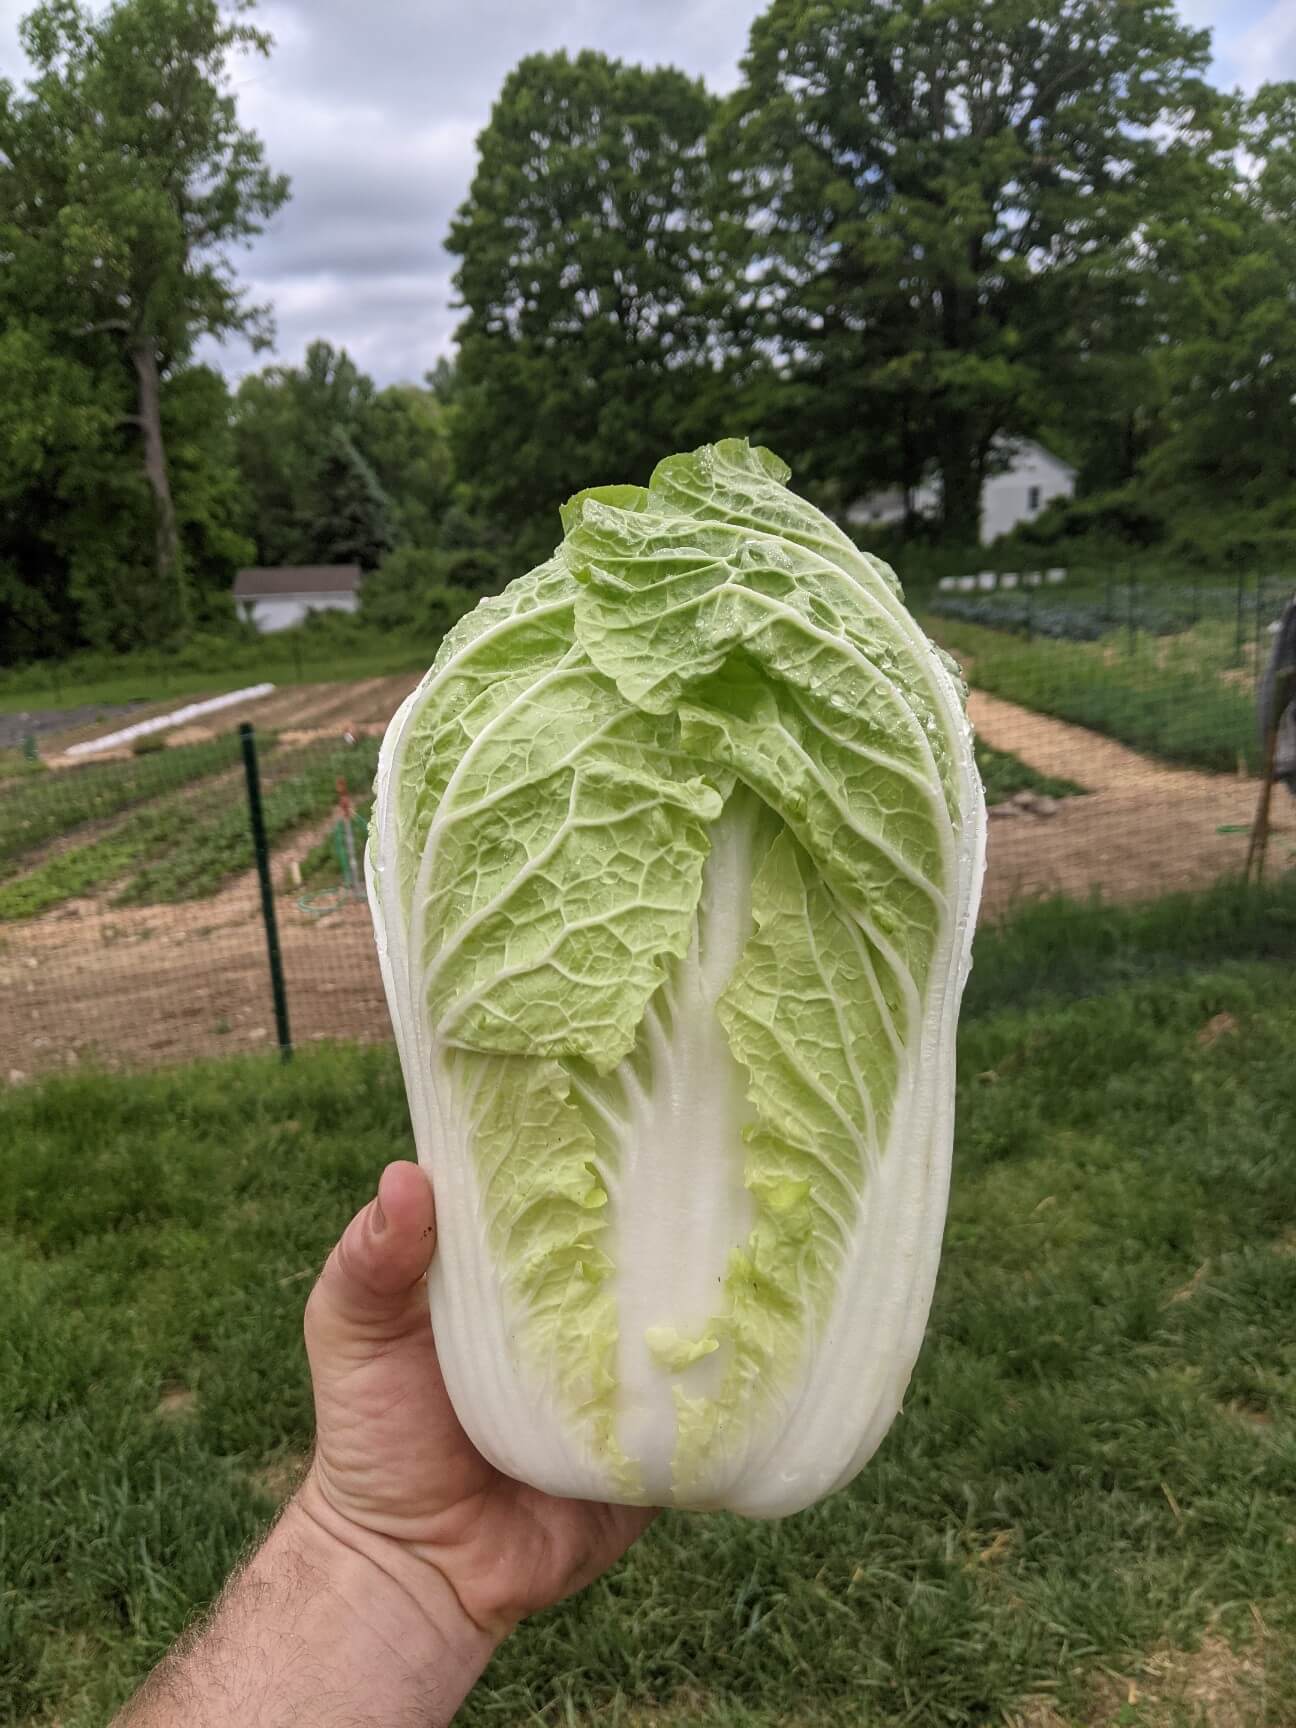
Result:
x=1143 y=829
x=125 y=987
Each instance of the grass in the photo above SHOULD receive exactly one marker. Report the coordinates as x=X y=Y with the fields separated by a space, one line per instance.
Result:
x=1005 y=775
x=186 y=847
x=1098 y=1454
x=1167 y=698
x=1058 y=951
x=211 y=665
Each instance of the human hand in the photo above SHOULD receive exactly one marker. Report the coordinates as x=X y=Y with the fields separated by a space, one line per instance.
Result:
x=394 y=1473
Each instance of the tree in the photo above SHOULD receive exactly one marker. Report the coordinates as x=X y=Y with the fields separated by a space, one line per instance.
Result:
x=939 y=194
x=353 y=523
x=323 y=453
x=585 y=259
x=1230 y=435
x=288 y=419
x=59 y=431
x=211 y=506
x=125 y=180
x=404 y=435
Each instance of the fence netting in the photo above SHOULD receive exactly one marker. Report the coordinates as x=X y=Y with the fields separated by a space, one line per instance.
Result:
x=131 y=927
x=1118 y=737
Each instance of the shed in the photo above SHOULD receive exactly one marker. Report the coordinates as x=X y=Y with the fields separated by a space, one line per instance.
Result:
x=278 y=599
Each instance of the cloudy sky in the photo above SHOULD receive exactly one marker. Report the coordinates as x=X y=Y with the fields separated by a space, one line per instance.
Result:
x=373 y=110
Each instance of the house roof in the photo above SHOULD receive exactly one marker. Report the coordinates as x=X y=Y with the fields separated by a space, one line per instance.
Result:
x=1021 y=445
x=298 y=579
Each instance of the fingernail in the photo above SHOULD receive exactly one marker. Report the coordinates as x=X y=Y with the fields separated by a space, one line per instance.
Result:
x=378 y=1218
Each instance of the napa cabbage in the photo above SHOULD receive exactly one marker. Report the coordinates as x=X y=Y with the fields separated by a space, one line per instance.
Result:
x=674 y=865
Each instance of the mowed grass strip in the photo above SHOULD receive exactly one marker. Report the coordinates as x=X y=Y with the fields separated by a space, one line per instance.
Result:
x=1097 y=1458
x=1179 y=698
x=1003 y=775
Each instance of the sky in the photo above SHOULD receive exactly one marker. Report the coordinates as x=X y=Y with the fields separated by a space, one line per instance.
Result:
x=373 y=110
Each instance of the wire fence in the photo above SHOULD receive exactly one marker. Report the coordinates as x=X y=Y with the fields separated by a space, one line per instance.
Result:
x=1118 y=738
x=133 y=928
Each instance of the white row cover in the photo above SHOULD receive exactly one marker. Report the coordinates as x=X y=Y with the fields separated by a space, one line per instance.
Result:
x=164 y=722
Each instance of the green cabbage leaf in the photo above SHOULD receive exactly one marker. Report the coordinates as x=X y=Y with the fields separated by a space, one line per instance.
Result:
x=674 y=867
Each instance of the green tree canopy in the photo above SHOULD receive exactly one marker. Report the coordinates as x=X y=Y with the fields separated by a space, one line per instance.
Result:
x=1230 y=435
x=405 y=436
x=940 y=194
x=585 y=266
x=323 y=452
x=125 y=181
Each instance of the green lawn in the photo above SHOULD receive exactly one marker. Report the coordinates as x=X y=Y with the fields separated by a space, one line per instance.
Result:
x=1177 y=697
x=1098 y=1456
x=212 y=665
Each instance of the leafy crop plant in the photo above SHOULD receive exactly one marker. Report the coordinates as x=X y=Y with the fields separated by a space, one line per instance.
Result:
x=674 y=868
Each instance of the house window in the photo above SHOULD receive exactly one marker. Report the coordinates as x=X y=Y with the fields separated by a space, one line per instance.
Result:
x=1033 y=499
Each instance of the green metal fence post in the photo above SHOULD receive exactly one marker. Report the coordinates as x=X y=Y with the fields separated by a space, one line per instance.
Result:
x=260 y=846
x=1131 y=607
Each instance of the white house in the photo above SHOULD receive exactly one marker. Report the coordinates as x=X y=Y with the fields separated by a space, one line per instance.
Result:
x=1032 y=478
x=278 y=599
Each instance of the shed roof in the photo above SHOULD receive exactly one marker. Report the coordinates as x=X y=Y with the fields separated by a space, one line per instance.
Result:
x=298 y=579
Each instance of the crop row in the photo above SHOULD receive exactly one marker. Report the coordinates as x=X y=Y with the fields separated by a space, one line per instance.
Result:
x=44 y=806
x=184 y=847
x=1152 y=609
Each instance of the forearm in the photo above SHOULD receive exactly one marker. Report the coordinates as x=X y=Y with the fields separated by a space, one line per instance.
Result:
x=317 y=1629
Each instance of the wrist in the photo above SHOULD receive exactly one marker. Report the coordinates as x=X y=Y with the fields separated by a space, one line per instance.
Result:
x=413 y=1600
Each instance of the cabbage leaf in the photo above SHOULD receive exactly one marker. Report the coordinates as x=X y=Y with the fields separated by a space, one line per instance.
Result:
x=674 y=866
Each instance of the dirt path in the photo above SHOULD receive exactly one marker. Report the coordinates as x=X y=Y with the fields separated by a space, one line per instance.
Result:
x=135 y=986
x=1144 y=828
x=1072 y=753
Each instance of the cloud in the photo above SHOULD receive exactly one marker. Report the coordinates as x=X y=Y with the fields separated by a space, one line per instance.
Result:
x=1265 y=53
x=374 y=113
x=1255 y=40
x=374 y=109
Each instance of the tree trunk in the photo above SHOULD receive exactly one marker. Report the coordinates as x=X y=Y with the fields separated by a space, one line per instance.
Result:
x=911 y=474
x=171 y=582
x=960 y=488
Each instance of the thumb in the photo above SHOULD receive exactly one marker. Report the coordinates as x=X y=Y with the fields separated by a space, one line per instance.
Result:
x=371 y=1289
